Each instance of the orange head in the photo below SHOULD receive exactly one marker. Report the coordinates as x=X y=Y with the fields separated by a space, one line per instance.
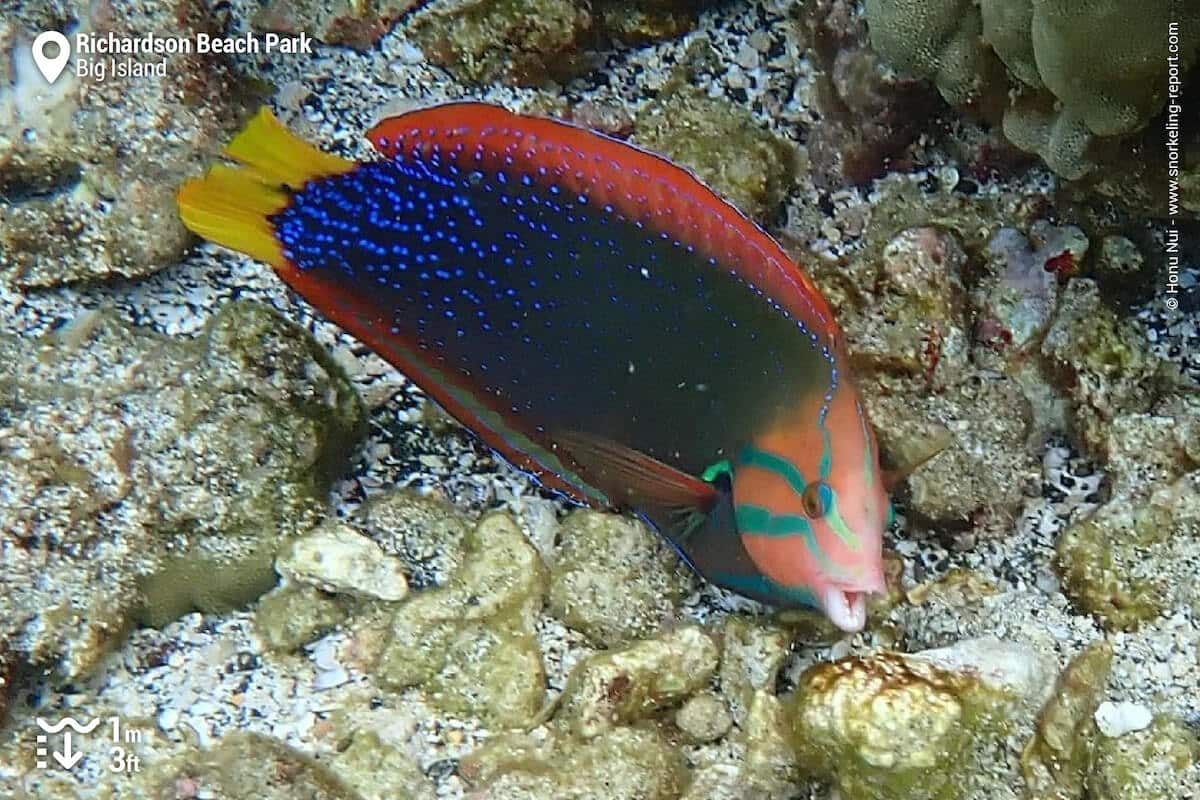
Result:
x=811 y=506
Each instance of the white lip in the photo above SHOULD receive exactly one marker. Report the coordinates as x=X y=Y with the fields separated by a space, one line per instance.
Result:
x=847 y=610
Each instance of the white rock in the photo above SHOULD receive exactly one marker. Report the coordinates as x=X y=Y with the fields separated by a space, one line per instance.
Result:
x=1118 y=719
x=168 y=718
x=998 y=664
x=338 y=559
x=329 y=679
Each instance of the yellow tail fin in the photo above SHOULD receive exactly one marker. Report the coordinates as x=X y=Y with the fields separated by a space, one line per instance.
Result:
x=231 y=205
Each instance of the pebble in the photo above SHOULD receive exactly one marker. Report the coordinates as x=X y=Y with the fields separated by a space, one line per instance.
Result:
x=410 y=54
x=330 y=679
x=1118 y=719
x=167 y=719
x=339 y=559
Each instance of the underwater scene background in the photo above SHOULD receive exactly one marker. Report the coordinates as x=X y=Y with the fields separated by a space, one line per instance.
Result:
x=246 y=557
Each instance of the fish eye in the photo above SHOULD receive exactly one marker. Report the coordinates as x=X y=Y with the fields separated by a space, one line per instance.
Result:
x=815 y=499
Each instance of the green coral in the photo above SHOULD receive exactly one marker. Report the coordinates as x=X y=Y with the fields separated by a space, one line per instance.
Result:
x=935 y=39
x=471 y=644
x=1071 y=72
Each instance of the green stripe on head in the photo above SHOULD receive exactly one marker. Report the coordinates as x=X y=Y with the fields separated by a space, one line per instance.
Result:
x=758 y=521
x=714 y=471
x=753 y=457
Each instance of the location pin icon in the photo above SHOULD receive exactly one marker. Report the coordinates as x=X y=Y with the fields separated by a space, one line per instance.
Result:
x=51 y=66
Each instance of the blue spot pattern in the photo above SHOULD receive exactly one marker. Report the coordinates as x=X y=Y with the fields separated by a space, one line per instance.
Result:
x=563 y=311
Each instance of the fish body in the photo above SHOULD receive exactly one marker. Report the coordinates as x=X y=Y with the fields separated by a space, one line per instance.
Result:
x=596 y=315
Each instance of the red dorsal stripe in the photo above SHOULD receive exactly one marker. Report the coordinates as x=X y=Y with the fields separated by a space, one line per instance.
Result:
x=637 y=184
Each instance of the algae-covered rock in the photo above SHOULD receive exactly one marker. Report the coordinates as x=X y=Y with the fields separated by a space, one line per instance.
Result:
x=752 y=652
x=5 y=681
x=906 y=727
x=145 y=477
x=903 y=307
x=1123 y=271
x=975 y=435
x=241 y=766
x=723 y=145
x=621 y=686
x=1129 y=561
x=1016 y=301
x=358 y=24
x=89 y=167
x=523 y=41
x=293 y=615
x=644 y=21
x=880 y=728
x=1102 y=360
x=381 y=771
x=426 y=533
x=756 y=761
x=703 y=718
x=1132 y=559
x=470 y=644
x=338 y=559
x=1014 y=304
x=515 y=41
x=619 y=764
x=613 y=579
x=1056 y=760
x=919 y=324
x=1157 y=762
x=770 y=767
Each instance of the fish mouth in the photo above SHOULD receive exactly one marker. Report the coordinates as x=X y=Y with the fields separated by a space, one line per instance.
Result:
x=846 y=608
x=846 y=605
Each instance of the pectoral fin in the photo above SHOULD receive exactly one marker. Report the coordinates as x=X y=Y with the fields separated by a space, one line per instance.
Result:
x=634 y=479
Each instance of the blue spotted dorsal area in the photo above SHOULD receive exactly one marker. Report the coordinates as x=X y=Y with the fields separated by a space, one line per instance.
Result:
x=564 y=313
